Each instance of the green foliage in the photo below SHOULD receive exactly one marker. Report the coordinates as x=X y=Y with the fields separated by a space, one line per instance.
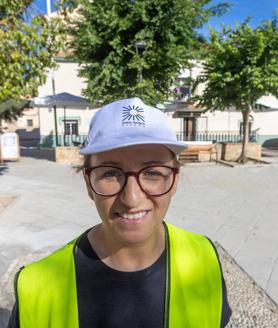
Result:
x=12 y=109
x=241 y=66
x=104 y=34
x=26 y=50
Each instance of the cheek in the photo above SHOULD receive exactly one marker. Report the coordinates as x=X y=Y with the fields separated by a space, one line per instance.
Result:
x=104 y=206
x=162 y=204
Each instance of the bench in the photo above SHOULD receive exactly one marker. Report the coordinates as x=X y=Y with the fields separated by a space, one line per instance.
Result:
x=197 y=152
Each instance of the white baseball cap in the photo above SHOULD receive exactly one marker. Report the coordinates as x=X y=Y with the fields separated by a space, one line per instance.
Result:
x=129 y=122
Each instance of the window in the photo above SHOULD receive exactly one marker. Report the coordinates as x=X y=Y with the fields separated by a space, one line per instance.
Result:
x=181 y=92
x=29 y=122
x=71 y=127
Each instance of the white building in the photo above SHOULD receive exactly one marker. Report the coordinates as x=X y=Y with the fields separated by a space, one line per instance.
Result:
x=37 y=125
x=222 y=125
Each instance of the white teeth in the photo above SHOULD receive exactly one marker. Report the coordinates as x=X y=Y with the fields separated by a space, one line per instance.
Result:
x=138 y=215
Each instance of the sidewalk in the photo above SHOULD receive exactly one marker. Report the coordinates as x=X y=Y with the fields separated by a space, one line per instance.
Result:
x=235 y=206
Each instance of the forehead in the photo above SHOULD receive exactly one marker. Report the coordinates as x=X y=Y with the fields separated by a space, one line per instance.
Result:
x=133 y=156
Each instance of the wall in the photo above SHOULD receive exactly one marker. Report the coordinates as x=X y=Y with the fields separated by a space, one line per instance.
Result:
x=219 y=121
x=28 y=135
x=176 y=123
x=66 y=80
x=265 y=122
x=47 y=119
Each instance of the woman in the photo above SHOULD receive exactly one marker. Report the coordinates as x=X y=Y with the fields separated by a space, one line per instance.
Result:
x=133 y=269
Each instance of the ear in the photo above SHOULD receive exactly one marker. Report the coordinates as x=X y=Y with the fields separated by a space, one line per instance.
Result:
x=89 y=189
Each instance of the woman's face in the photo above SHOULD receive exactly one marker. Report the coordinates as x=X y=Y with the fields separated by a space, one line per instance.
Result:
x=118 y=212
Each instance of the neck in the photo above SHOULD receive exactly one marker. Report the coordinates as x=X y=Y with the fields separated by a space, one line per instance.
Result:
x=127 y=257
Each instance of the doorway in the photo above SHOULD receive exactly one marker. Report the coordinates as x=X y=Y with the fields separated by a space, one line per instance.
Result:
x=189 y=128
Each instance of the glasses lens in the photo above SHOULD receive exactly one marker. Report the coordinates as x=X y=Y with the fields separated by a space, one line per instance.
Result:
x=107 y=180
x=156 y=180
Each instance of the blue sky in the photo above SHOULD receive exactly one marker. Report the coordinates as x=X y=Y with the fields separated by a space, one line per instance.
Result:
x=258 y=10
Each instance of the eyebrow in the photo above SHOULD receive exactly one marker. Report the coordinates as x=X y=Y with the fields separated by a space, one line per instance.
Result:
x=110 y=163
x=153 y=162
x=119 y=164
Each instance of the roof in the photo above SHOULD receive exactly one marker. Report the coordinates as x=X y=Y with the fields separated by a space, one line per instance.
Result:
x=269 y=101
x=182 y=109
x=62 y=100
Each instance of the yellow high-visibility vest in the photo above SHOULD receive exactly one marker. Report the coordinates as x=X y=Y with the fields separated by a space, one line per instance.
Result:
x=47 y=296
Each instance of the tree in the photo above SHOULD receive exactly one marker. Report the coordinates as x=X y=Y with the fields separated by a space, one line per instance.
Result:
x=26 y=51
x=241 y=65
x=135 y=47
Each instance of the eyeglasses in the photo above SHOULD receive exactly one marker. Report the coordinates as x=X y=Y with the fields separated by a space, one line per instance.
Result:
x=154 y=180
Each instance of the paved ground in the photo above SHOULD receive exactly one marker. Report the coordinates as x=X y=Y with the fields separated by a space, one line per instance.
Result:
x=235 y=206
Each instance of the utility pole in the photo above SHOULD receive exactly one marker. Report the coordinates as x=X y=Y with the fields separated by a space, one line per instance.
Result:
x=48 y=5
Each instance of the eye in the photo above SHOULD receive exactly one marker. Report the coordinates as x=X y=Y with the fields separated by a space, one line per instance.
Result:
x=152 y=173
x=111 y=174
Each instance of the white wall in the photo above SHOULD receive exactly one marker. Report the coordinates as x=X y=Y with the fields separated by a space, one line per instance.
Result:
x=66 y=80
x=267 y=122
x=47 y=119
x=176 y=123
x=196 y=70
x=219 y=121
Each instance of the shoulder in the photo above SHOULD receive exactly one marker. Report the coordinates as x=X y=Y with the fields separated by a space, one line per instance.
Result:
x=192 y=248
x=49 y=266
x=182 y=236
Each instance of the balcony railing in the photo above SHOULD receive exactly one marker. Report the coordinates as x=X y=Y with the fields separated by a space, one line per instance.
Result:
x=217 y=136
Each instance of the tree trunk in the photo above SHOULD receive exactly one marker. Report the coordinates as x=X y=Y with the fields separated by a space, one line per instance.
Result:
x=245 y=114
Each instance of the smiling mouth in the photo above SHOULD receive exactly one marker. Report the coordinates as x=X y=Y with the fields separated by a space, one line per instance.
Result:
x=133 y=216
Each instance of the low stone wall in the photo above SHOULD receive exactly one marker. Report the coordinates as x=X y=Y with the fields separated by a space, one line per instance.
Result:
x=40 y=153
x=219 y=151
x=68 y=155
x=232 y=151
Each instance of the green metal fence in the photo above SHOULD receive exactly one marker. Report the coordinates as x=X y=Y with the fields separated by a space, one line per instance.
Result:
x=217 y=136
x=49 y=141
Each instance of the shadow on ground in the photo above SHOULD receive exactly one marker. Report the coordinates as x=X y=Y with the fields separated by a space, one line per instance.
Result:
x=270 y=143
x=4 y=317
x=3 y=168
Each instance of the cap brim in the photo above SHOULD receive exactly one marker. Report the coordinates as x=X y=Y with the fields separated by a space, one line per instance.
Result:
x=175 y=146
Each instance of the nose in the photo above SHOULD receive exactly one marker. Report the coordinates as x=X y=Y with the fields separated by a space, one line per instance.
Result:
x=132 y=194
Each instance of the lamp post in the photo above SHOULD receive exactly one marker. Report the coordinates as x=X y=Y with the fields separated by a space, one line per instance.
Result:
x=54 y=108
x=140 y=45
x=48 y=5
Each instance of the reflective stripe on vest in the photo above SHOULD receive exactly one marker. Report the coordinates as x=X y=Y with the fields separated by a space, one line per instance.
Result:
x=47 y=297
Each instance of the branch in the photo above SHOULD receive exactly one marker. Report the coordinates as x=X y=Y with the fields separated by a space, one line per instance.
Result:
x=17 y=13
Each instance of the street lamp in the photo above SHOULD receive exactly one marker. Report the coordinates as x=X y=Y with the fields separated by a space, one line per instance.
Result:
x=140 y=45
x=48 y=5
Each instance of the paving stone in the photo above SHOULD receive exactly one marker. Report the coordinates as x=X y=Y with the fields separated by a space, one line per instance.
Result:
x=237 y=207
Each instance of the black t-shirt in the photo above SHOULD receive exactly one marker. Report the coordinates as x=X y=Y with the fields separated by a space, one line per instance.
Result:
x=108 y=298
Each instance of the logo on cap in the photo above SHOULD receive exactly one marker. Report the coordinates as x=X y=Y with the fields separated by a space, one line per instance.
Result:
x=133 y=116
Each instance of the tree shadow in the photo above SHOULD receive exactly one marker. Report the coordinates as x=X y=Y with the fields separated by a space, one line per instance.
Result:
x=3 y=168
x=4 y=317
x=271 y=143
